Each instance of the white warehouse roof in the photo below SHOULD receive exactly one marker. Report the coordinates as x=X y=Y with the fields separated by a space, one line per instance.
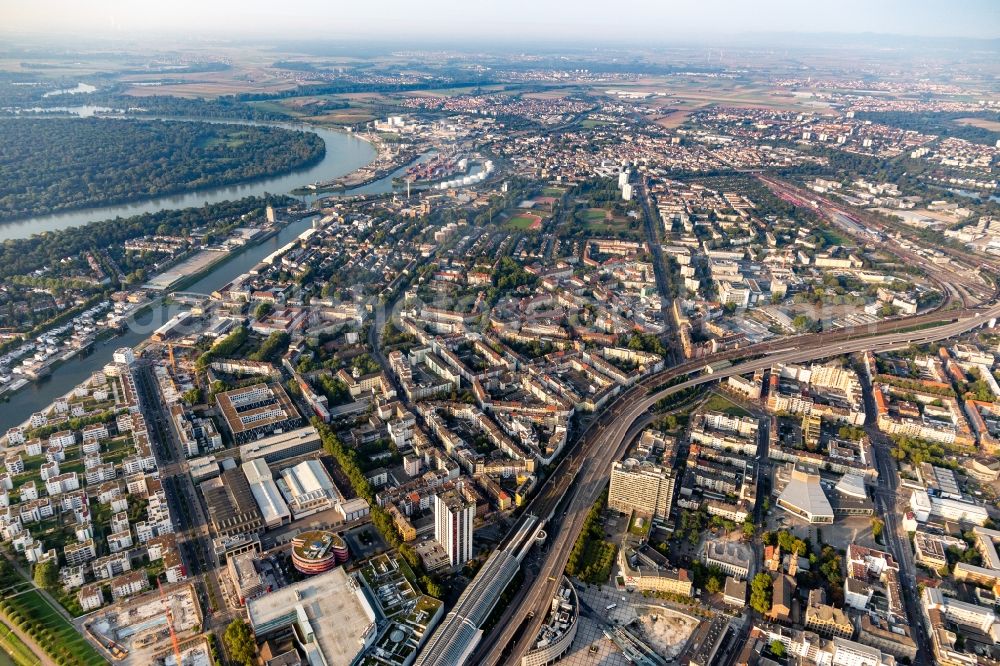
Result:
x=307 y=478
x=265 y=493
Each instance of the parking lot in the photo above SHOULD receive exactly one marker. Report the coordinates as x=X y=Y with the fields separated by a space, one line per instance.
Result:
x=845 y=530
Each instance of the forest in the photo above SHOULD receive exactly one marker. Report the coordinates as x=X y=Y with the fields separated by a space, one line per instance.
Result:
x=57 y=164
x=20 y=256
x=942 y=123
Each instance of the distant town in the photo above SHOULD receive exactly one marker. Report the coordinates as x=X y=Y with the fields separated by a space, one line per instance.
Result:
x=583 y=365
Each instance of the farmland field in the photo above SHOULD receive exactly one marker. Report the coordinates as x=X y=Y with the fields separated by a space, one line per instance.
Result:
x=982 y=123
x=673 y=119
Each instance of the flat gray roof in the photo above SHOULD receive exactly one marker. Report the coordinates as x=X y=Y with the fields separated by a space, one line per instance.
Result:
x=335 y=607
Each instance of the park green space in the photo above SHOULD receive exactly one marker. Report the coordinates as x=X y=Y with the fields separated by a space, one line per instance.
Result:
x=720 y=403
x=15 y=648
x=597 y=221
x=29 y=611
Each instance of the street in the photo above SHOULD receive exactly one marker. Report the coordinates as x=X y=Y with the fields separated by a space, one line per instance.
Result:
x=194 y=538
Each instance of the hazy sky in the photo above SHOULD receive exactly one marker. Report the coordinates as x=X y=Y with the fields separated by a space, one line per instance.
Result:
x=565 y=19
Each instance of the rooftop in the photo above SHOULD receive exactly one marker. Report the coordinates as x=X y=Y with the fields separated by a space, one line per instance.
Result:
x=330 y=609
x=315 y=545
x=735 y=589
x=255 y=406
x=804 y=496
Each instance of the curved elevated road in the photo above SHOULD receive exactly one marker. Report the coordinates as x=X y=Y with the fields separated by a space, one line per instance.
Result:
x=581 y=477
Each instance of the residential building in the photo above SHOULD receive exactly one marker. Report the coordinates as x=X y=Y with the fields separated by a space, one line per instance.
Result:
x=453 y=515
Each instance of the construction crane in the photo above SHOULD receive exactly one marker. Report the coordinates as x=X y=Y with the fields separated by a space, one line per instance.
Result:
x=173 y=362
x=170 y=622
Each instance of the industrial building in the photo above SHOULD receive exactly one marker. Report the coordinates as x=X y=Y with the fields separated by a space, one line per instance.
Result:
x=307 y=488
x=265 y=492
x=231 y=505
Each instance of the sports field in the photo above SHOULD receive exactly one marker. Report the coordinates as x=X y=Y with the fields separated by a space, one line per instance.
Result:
x=525 y=222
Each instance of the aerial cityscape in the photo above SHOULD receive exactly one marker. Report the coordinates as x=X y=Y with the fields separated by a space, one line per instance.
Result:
x=502 y=334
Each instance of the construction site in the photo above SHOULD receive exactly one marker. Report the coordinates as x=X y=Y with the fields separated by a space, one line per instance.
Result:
x=150 y=630
x=193 y=652
x=665 y=630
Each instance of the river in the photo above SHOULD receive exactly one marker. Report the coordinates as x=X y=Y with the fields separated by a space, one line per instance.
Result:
x=969 y=194
x=38 y=395
x=344 y=154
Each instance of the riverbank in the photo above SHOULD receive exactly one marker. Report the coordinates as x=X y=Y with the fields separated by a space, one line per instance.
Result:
x=192 y=278
x=176 y=285
x=100 y=336
x=19 y=649
x=344 y=153
x=137 y=335
x=282 y=151
x=39 y=396
x=384 y=164
x=203 y=261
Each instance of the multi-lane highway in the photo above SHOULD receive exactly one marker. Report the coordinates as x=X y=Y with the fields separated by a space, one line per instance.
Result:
x=581 y=477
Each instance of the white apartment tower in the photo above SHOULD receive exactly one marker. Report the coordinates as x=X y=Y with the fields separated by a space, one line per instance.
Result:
x=453 y=525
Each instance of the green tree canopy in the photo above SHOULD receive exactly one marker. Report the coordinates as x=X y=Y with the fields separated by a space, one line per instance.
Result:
x=240 y=642
x=54 y=164
x=46 y=575
x=760 y=593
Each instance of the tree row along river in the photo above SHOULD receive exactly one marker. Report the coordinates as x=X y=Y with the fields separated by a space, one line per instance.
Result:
x=344 y=154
